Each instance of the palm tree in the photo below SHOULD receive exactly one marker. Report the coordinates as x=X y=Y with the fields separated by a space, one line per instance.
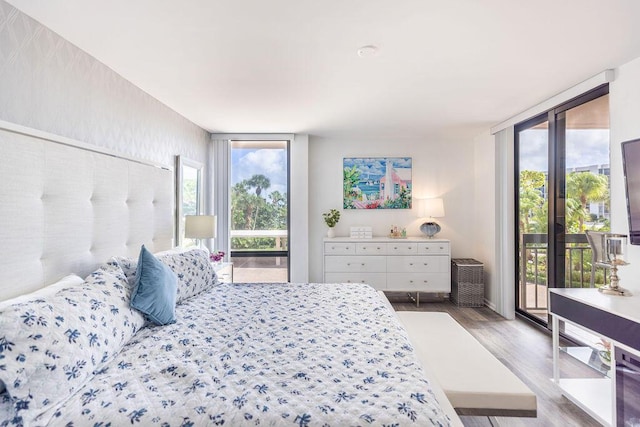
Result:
x=530 y=198
x=260 y=182
x=587 y=187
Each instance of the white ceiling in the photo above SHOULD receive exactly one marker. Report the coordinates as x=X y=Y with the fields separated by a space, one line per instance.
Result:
x=447 y=68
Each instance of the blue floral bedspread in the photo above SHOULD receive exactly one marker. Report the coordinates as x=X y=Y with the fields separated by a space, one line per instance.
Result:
x=263 y=354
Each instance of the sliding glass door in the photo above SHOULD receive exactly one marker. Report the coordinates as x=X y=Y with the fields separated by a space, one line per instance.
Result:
x=532 y=151
x=562 y=189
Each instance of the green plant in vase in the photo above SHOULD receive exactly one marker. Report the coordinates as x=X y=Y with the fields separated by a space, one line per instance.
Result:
x=331 y=218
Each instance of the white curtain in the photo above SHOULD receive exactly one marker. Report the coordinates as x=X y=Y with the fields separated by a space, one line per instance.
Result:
x=505 y=223
x=221 y=186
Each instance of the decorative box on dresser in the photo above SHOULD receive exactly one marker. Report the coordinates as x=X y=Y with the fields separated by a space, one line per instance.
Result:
x=413 y=264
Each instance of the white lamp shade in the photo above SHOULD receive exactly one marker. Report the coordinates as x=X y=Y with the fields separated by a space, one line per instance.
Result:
x=431 y=208
x=200 y=226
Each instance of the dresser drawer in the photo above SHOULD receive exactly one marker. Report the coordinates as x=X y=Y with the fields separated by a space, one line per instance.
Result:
x=409 y=265
x=439 y=248
x=376 y=280
x=339 y=248
x=423 y=282
x=371 y=264
x=418 y=264
x=402 y=248
x=371 y=248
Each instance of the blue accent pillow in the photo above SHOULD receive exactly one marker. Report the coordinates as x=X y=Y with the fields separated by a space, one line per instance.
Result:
x=155 y=289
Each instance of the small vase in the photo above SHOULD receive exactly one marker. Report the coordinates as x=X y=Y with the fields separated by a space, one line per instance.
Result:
x=605 y=357
x=331 y=232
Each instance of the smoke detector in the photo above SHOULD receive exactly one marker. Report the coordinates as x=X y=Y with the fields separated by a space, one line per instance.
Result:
x=367 y=51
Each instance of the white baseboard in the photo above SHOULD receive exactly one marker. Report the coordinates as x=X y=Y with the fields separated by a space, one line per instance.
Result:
x=490 y=304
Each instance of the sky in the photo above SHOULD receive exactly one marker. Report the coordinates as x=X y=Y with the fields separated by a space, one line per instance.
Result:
x=585 y=147
x=272 y=163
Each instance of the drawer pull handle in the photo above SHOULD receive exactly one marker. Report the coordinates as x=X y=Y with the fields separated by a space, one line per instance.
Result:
x=409 y=247
x=410 y=263
x=347 y=247
x=410 y=281
x=348 y=264
x=378 y=248
x=348 y=281
x=426 y=281
x=441 y=247
x=395 y=247
x=426 y=263
x=363 y=263
x=361 y=281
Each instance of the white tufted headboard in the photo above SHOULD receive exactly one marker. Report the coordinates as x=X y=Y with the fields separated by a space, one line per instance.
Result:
x=66 y=207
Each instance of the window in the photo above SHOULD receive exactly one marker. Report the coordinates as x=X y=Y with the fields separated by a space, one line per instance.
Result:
x=188 y=195
x=260 y=210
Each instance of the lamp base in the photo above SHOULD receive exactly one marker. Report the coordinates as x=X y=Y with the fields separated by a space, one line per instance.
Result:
x=612 y=288
x=609 y=290
x=430 y=229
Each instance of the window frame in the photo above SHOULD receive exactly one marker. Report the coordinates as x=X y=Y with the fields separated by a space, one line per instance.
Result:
x=182 y=163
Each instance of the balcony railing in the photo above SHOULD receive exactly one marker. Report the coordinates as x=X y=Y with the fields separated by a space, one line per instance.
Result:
x=261 y=257
x=533 y=268
x=280 y=238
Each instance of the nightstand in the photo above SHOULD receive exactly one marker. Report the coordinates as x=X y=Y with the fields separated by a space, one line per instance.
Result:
x=224 y=270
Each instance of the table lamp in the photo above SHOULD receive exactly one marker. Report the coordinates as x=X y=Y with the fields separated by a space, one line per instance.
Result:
x=200 y=227
x=431 y=208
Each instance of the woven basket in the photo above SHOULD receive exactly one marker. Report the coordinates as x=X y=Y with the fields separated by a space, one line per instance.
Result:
x=467 y=282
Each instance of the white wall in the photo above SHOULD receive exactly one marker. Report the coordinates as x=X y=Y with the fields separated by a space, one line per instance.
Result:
x=625 y=125
x=47 y=83
x=440 y=168
x=484 y=236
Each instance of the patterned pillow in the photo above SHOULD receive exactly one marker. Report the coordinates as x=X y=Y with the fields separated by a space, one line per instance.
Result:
x=65 y=282
x=50 y=347
x=193 y=268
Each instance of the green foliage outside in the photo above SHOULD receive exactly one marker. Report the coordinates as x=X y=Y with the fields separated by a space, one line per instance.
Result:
x=582 y=188
x=190 y=197
x=251 y=210
x=189 y=205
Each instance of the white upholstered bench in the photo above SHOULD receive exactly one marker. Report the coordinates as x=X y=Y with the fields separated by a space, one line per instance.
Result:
x=474 y=381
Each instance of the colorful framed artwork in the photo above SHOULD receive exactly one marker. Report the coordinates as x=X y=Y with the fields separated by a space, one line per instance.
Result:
x=376 y=182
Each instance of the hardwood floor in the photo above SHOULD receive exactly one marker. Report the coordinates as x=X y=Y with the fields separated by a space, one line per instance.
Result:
x=526 y=350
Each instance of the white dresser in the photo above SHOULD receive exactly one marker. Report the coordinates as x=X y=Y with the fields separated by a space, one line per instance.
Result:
x=414 y=264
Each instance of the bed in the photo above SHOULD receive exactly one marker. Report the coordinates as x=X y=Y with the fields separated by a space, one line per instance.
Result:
x=238 y=354
x=73 y=352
